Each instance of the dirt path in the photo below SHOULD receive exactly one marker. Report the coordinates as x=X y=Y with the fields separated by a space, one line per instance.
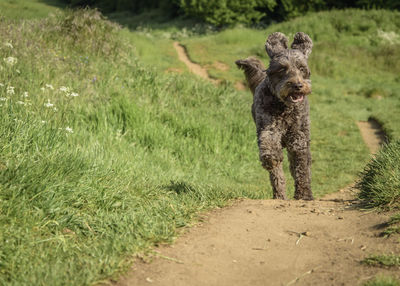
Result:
x=193 y=67
x=273 y=242
x=198 y=69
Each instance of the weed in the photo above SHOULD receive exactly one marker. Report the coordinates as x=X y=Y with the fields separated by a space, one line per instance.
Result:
x=382 y=260
x=393 y=226
x=383 y=281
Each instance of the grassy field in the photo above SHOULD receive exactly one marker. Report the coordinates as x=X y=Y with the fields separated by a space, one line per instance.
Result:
x=104 y=153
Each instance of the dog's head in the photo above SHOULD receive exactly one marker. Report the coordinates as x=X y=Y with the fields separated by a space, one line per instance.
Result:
x=288 y=71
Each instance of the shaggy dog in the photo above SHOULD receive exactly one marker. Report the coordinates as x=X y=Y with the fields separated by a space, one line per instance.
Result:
x=281 y=111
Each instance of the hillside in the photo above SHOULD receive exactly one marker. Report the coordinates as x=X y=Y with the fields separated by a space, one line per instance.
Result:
x=104 y=153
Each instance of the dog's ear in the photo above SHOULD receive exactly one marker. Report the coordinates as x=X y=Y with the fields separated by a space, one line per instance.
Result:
x=303 y=43
x=276 y=44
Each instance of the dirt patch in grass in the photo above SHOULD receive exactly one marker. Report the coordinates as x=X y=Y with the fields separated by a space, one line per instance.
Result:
x=221 y=66
x=193 y=67
x=240 y=86
x=371 y=132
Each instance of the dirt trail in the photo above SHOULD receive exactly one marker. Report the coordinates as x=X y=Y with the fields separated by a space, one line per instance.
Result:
x=274 y=242
x=193 y=67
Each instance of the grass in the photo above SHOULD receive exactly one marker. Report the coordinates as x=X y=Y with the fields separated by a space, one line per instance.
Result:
x=382 y=281
x=353 y=59
x=87 y=181
x=380 y=180
x=382 y=260
x=29 y=9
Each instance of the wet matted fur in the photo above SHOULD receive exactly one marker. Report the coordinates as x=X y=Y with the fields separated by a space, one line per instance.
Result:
x=281 y=110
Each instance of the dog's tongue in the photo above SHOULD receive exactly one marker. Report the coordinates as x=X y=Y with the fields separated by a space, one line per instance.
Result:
x=296 y=97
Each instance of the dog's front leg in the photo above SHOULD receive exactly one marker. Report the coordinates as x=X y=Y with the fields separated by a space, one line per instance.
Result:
x=271 y=157
x=300 y=168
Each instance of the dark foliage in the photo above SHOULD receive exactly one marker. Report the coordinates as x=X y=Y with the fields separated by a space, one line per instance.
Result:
x=228 y=12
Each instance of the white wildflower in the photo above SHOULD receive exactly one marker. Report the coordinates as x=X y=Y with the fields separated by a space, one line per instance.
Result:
x=42 y=89
x=25 y=94
x=21 y=102
x=9 y=45
x=74 y=94
x=48 y=104
x=43 y=121
x=10 y=90
x=55 y=109
x=3 y=98
x=69 y=129
x=10 y=61
x=1 y=84
x=49 y=86
x=64 y=89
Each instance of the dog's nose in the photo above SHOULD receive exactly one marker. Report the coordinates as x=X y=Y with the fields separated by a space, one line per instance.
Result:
x=297 y=85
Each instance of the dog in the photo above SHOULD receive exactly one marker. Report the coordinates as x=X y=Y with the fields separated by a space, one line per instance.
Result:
x=281 y=110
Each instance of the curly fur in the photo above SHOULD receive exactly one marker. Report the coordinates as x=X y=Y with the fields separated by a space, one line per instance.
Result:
x=254 y=70
x=281 y=111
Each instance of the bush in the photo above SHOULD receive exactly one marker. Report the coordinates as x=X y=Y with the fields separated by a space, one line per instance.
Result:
x=228 y=12
x=222 y=12
x=380 y=180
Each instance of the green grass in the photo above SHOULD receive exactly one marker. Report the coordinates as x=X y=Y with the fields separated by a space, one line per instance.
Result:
x=87 y=181
x=380 y=180
x=148 y=151
x=382 y=281
x=382 y=260
x=354 y=58
x=29 y=9
x=392 y=226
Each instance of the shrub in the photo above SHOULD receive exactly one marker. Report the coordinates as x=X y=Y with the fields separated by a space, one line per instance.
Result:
x=223 y=12
x=380 y=180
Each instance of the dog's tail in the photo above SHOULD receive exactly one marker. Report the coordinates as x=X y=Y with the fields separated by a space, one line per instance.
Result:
x=254 y=70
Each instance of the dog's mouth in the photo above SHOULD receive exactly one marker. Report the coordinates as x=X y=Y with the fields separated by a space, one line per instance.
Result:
x=296 y=97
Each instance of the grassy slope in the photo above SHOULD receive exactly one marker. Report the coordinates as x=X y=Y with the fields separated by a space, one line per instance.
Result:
x=143 y=158
x=354 y=59
x=148 y=150
x=29 y=9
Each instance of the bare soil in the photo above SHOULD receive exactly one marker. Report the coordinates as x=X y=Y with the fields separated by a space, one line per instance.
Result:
x=372 y=134
x=193 y=67
x=274 y=242
x=271 y=242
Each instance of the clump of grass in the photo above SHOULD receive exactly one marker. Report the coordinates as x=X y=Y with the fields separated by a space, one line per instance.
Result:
x=382 y=281
x=380 y=181
x=393 y=226
x=382 y=260
x=86 y=30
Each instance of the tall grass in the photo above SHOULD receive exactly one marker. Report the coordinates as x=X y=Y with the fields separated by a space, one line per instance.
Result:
x=102 y=156
x=380 y=180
